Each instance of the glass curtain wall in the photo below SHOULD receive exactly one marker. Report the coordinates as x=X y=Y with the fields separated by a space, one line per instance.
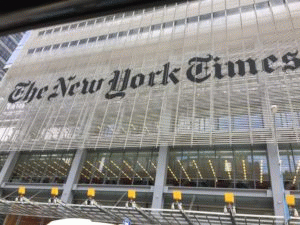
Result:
x=3 y=158
x=290 y=166
x=42 y=167
x=137 y=167
x=220 y=168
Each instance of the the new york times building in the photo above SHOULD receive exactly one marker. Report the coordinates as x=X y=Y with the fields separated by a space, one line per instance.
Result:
x=201 y=97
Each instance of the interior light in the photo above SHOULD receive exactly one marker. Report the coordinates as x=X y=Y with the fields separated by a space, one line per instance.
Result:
x=125 y=174
x=213 y=170
x=244 y=169
x=261 y=171
x=173 y=174
x=145 y=170
x=184 y=171
x=197 y=168
x=132 y=169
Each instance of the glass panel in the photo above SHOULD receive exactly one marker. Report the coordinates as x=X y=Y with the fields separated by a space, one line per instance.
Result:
x=290 y=166
x=42 y=167
x=120 y=168
x=221 y=168
x=3 y=158
x=244 y=169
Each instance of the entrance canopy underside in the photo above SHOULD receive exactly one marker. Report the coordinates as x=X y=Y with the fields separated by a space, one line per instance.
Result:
x=136 y=215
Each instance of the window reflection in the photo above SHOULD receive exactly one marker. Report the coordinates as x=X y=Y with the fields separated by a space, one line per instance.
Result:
x=222 y=168
x=290 y=166
x=119 y=168
x=42 y=167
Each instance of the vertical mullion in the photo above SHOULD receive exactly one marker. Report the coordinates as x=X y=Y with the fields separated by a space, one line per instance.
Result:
x=130 y=120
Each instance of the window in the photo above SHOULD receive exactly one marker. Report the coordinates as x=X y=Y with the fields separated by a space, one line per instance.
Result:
x=148 y=10
x=43 y=167
x=31 y=51
x=47 y=48
x=120 y=168
x=65 y=28
x=113 y=35
x=168 y=24
x=220 y=168
x=179 y=22
x=82 y=24
x=290 y=164
x=205 y=17
x=3 y=158
x=155 y=27
x=56 y=46
x=83 y=41
x=122 y=34
x=41 y=33
x=9 y=42
x=57 y=29
x=133 y=31
x=192 y=19
x=49 y=31
x=91 y=22
x=100 y=20
x=17 y=36
x=73 y=26
x=39 y=49
x=128 y=14
x=65 y=44
x=138 y=12
x=118 y=16
x=73 y=43
x=92 y=39
x=144 y=29
x=102 y=37
x=109 y=18
x=4 y=53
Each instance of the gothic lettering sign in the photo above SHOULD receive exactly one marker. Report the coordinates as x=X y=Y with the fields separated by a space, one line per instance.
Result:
x=198 y=72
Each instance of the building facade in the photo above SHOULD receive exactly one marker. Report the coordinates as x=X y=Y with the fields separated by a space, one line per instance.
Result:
x=8 y=44
x=201 y=97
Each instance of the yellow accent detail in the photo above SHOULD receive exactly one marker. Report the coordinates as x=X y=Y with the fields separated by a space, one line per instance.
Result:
x=229 y=197
x=177 y=196
x=22 y=190
x=132 y=194
x=54 y=191
x=290 y=200
x=91 y=192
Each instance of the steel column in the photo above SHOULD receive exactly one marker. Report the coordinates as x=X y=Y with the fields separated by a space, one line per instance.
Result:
x=280 y=206
x=279 y=202
x=77 y=164
x=161 y=177
x=8 y=167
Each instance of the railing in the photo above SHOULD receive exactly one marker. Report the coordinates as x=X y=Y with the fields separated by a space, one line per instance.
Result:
x=135 y=214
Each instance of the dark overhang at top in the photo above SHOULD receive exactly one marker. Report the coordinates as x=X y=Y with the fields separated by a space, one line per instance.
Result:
x=34 y=14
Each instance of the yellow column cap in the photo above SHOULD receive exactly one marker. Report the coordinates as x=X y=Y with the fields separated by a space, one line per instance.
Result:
x=91 y=192
x=54 y=191
x=177 y=195
x=229 y=197
x=22 y=190
x=132 y=194
x=290 y=200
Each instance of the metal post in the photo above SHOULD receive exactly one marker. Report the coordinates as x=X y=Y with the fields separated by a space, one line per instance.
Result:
x=77 y=164
x=161 y=177
x=8 y=167
x=279 y=202
x=280 y=206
